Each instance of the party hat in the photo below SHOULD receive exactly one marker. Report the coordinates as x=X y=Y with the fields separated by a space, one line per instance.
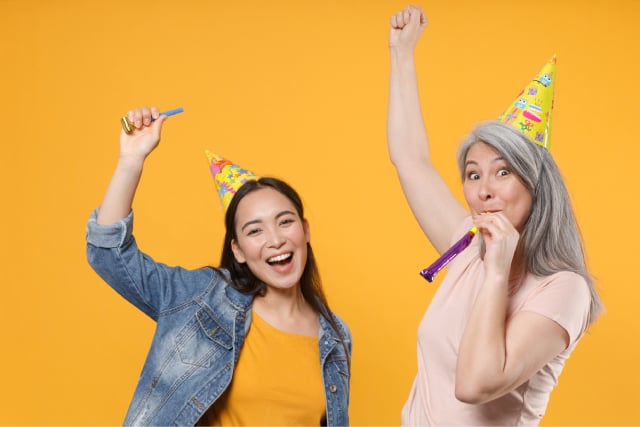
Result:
x=227 y=177
x=530 y=113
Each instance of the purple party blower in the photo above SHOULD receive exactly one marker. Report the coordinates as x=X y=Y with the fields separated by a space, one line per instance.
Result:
x=430 y=272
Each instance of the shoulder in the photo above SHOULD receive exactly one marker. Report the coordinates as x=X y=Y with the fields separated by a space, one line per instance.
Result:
x=342 y=325
x=220 y=291
x=566 y=283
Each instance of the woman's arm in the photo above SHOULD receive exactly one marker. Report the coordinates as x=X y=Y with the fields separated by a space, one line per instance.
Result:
x=111 y=248
x=496 y=356
x=438 y=212
x=134 y=148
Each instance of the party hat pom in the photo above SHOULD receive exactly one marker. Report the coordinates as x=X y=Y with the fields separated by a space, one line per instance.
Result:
x=227 y=177
x=530 y=113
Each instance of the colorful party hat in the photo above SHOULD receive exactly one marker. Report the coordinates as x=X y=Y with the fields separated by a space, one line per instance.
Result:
x=227 y=177
x=530 y=113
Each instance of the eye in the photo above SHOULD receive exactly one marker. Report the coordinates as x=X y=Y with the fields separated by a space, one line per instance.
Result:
x=253 y=231
x=504 y=172
x=287 y=221
x=473 y=176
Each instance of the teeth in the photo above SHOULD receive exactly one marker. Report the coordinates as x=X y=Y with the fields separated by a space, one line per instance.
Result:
x=280 y=257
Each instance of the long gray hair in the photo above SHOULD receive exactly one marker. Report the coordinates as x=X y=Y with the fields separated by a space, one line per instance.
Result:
x=550 y=241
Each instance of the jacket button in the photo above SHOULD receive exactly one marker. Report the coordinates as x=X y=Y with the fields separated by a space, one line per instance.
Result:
x=333 y=388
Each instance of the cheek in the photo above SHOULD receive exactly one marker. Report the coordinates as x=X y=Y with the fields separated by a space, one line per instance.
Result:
x=523 y=203
x=247 y=249
x=468 y=196
x=466 y=191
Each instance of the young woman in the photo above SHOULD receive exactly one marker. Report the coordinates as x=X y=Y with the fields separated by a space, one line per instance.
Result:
x=250 y=343
x=513 y=304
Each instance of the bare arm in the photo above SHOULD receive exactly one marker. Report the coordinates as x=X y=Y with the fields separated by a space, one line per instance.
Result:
x=134 y=148
x=438 y=212
x=496 y=356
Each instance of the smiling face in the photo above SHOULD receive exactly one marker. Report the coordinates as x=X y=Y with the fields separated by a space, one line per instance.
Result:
x=271 y=238
x=491 y=186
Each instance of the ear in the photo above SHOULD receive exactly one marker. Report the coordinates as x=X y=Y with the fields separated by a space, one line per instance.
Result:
x=307 y=230
x=237 y=252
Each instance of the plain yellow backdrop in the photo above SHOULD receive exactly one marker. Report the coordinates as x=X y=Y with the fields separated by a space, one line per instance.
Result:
x=296 y=89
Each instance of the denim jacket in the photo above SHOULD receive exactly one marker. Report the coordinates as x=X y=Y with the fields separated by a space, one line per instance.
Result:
x=201 y=325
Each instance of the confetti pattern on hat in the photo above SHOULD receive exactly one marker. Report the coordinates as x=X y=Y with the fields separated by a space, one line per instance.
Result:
x=530 y=113
x=227 y=177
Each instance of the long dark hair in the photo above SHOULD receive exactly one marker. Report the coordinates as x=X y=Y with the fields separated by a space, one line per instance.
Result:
x=243 y=279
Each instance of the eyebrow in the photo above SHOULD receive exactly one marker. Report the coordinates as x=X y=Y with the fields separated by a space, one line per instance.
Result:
x=258 y=221
x=497 y=159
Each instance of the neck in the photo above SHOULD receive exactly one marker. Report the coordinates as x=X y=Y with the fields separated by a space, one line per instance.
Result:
x=287 y=310
x=284 y=302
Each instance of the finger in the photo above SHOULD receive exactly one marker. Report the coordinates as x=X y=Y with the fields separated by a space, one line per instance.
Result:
x=423 y=18
x=155 y=113
x=146 y=116
x=495 y=225
x=130 y=116
x=486 y=222
x=400 y=20
x=406 y=16
x=393 y=22
x=157 y=125
x=416 y=16
x=136 y=118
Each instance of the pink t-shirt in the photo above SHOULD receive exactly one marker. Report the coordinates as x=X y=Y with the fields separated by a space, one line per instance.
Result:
x=562 y=297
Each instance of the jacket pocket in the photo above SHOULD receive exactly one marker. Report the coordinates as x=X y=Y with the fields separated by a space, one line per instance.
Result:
x=202 y=340
x=339 y=371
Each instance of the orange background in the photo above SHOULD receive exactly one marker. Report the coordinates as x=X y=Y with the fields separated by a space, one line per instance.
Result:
x=296 y=89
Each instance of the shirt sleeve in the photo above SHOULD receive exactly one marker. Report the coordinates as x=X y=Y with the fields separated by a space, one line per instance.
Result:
x=563 y=297
x=151 y=286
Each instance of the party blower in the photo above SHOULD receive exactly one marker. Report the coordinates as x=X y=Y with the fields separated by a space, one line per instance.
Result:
x=430 y=272
x=128 y=127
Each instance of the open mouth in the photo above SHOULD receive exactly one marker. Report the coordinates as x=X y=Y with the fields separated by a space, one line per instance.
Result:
x=281 y=259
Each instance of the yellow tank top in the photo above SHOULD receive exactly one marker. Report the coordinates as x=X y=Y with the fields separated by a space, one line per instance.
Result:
x=277 y=381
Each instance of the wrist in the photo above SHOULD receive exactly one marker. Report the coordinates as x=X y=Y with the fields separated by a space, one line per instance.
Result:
x=496 y=278
x=130 y=163
x=401 y=53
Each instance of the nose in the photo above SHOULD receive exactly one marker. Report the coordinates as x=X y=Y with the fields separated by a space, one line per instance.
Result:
x=485 y=190
x=275 y=239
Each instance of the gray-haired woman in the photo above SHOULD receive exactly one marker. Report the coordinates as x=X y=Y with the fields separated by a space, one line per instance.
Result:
x=515 y=303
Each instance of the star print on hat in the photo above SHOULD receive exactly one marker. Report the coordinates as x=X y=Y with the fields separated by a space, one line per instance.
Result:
x=227 y=177
x=530 y=113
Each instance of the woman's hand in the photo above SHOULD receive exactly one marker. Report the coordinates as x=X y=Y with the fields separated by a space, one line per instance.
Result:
x=145 y=136
x=501 y=240
x=134 y=148
x=406 y=28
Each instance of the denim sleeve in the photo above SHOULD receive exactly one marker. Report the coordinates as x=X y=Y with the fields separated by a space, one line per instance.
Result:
x=150 y=286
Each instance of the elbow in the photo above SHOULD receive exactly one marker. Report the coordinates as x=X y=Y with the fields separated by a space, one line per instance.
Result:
x=473 y=392
x=468 y=395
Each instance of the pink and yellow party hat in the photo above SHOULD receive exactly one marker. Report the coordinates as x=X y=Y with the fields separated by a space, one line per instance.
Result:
x=530 y=113
x=227 y=177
